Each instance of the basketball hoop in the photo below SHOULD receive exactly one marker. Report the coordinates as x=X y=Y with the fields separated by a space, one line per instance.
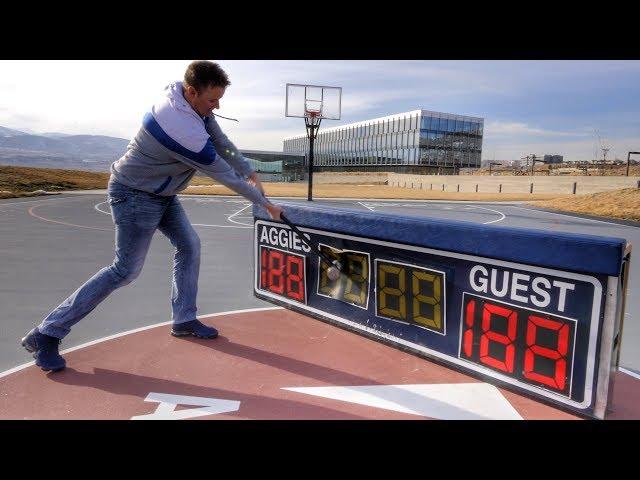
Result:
x=312 y=118
x=313 y=103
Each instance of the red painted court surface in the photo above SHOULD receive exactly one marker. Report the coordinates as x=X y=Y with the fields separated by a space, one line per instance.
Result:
x=271 y=364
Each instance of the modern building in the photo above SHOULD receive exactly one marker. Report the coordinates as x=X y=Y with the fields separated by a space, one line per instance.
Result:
x=419 y=141
x=276 y=166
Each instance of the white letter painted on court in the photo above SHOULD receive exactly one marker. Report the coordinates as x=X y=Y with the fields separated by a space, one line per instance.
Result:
x=168 y=404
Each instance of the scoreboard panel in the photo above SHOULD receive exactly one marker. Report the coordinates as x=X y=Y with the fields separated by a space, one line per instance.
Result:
x=541 y=331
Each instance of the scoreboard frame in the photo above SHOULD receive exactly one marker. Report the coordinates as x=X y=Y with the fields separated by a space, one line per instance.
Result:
x=605 y=322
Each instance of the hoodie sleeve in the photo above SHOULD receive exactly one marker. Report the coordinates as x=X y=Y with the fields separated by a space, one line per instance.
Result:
x=226 y=149
x=222 y=172
x=184 y=147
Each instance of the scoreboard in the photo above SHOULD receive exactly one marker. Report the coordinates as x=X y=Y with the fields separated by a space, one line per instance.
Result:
x=538 y=312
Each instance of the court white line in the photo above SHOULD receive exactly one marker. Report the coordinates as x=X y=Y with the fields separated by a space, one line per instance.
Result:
x=38 y=201
x=574 y=217
x=59 y=222
x=229 y=218
x=194 y=224
x=491 y=210
x=101 y=211
x=221 y=226
x=136 y=330
x=629 y=372
x=366 y=206
x=344 y=199
x=503 y=216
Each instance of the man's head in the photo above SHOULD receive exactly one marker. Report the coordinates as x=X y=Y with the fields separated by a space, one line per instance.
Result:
x=204 y=86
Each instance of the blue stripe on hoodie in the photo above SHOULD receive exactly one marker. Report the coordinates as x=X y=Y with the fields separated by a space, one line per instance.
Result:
x=163 y=186
x=206 y=156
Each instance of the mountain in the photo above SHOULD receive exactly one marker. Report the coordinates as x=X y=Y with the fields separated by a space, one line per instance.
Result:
x=8 y=132
x=55 y=150
x=55 y=134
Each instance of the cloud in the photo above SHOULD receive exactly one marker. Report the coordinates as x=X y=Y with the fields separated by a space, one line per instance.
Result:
x=572 y=150
x=539 y=105
x=510 y=129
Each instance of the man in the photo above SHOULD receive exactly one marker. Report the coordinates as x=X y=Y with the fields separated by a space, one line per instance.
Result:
x=178 y=137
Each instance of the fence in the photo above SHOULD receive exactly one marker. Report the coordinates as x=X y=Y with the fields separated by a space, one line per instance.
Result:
x=502 y=184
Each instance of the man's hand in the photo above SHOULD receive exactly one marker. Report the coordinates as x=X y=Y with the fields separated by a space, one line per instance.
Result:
x=255 y=181
x=274 y=211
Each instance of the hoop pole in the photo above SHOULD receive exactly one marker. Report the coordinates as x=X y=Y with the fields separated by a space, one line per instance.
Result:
x=311 y=135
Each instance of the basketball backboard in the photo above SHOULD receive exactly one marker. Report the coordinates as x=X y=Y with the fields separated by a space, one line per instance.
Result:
x=303 y=101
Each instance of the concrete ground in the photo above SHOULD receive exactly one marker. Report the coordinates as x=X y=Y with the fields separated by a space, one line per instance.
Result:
x=51 y=245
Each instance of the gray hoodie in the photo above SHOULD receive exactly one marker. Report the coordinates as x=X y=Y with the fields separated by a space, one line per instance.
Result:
x=172 y=143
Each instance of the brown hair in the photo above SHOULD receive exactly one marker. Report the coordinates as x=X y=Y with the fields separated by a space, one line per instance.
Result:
x=201 y=74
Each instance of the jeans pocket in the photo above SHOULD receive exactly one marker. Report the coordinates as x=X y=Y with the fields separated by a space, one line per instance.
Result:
x=121 y=208
x=116 y=199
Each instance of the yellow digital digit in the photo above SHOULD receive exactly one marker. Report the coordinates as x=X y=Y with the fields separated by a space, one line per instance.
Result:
x=420 y=298
x=384 y=291
x=357 y=287
x=328 y=287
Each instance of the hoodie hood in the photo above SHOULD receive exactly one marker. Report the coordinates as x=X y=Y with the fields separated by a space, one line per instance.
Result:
x=173 y=91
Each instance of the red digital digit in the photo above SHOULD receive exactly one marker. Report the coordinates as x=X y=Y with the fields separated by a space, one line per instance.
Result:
x=532 y=347
x=264 y=255
x=295 y=284
x=557 y=381
x=275 y=273
x=468 y=334
x=488 y=335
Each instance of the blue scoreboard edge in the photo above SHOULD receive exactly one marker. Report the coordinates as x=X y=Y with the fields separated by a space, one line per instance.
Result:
x=585 y=258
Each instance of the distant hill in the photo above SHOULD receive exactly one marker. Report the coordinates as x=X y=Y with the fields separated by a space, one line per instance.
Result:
x=58 y=150
x=7 y=132
x=55 y=134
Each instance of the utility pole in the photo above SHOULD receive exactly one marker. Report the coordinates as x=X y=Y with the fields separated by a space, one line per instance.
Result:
x=604 y=153
x=534 y=158
x=604 y=159
x=629 y=158
x=533 y=163
x=526 y=166
x=492 y=164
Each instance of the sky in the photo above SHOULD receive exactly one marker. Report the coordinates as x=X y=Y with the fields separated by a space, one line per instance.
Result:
x=570 y=108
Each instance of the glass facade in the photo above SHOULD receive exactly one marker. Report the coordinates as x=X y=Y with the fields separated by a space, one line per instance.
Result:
x=291 y=166
x=418 y=141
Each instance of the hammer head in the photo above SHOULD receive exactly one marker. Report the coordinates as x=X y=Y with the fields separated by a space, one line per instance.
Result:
x=333 y=272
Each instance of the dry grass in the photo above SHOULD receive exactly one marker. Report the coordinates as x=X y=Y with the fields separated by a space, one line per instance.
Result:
x=24 y=181
x=565 y=170
x=623 y=204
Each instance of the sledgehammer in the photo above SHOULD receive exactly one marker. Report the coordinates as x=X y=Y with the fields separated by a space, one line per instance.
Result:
x=336 y=267
x=333 y=272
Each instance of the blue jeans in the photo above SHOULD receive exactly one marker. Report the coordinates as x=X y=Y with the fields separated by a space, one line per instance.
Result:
x=137 y=215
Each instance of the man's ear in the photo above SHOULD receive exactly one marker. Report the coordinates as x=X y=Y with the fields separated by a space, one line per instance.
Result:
x=191 y=91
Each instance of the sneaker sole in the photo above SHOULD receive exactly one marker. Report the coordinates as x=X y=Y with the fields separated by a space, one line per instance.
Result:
x=186 y=334
x=52 y=369
x=49 y=369
x=32 y=350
